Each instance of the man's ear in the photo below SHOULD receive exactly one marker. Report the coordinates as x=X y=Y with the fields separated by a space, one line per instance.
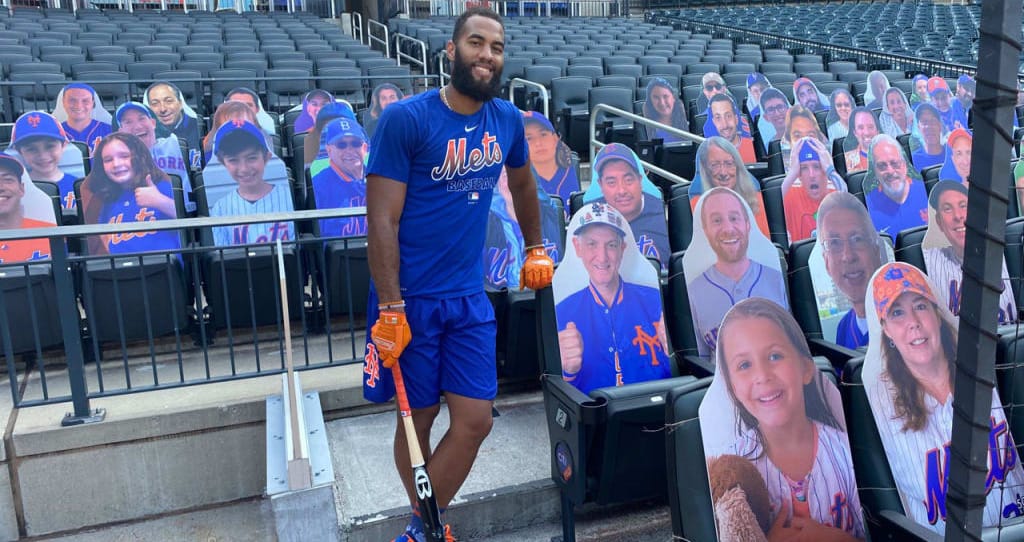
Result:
x=449 y=50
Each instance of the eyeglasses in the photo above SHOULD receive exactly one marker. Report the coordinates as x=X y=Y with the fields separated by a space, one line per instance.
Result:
x=713 y=86
x=724 y=165
x=837 y=245
x=776 y=109
x=886 y=166
x=355 y=144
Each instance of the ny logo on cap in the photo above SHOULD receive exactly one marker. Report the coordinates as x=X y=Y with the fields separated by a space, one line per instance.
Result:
x=34 y=121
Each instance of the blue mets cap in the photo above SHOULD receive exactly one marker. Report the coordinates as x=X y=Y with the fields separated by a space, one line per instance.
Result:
x=601 y=213
x=231 y=130
x=37 y=124
x=342 y=127
x=11 y=164
x=336 y=109
x=807 y=152
x=132 y=106
x=539 y=118
x=614 y=151
x=966 y=81
x=757 y=78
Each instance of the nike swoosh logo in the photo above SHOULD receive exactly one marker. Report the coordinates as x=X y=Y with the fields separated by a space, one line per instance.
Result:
x=469 y=128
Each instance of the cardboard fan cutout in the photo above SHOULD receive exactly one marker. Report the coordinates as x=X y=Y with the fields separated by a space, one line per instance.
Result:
x=846 y=253
x=943 y=248
x=343 y=182
x=728 y=261
x=551 y=159
x=23 y=206
x=246 y=179
x=774 y=434
x=719 y=164
x=893 y=190
x=908 y=378
x=618 y=178
x=863 y=128
x=611 y=326
x=41 y=145
x=664 y=106
x=504 y=248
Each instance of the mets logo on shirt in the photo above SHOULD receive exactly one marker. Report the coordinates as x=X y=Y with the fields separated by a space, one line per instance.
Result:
x=461 y=161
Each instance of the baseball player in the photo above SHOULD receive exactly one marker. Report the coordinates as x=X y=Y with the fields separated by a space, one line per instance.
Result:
x=898 y=200
x=611 y=332
x=852 y=252
x=12 y=189
x=126 y=186
x=174 y=115
x=725 y=220
x=81 y=114
x=41 y=142
x=787 y=426
x=813 y=168
x=436 y=157
x=137 y=119
x=343 y=184
x=908 y=377
x=945 y=265
x=243 y=150
x=620 y=177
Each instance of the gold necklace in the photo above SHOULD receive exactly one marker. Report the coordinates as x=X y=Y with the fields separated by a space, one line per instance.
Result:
x=444 y=99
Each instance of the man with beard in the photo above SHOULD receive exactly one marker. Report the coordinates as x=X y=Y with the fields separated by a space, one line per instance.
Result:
x=899 y=201
x=436 y=158
x=807 y=95
x=343 y=183
x=724 y=119
x=945 y=265
x=852 y=252
x=734 y=276
x=137 y=119
x=966 y=86
x=622 y=187
x=813 y=168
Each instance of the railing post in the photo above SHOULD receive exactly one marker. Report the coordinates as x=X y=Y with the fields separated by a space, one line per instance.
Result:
x=68 y=312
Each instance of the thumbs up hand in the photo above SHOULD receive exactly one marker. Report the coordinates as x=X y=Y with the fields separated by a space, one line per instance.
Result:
x=148 y=195
x=570 y=346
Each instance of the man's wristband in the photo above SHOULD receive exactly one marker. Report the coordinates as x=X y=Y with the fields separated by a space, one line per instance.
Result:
x=391 y=305
x=531 y=247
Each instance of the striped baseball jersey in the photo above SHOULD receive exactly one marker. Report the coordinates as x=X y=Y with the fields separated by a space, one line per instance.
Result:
x=278 y=200
x=946 y=272
x=829 y=489
x=919 y=460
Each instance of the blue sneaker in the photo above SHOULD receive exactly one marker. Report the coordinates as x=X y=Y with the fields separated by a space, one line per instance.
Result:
x=413 y=534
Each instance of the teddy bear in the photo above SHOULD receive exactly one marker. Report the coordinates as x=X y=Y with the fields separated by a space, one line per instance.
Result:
x=741 y=501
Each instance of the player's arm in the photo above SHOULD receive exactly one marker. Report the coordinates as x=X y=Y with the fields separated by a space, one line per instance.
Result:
x=523 y=187
x=385 y=199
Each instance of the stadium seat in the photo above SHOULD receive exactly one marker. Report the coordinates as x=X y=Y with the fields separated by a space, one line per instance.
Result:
x=286 y=87
x=344 y=84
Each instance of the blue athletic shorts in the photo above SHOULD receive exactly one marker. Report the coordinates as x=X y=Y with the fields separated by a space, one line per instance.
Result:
x=452 y=350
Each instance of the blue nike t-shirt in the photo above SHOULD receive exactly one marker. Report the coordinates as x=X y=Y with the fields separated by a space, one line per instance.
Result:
x=450 y=164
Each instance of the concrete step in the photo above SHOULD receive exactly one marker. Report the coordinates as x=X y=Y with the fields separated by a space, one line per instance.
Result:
x=509 y=487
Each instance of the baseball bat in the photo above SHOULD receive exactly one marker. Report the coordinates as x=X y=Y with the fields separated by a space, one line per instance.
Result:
x=429 y=511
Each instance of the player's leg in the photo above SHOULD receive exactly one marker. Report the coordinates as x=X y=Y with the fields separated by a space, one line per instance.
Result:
x=423 y=419
x=470 y=382
x=452 y=460
x=420 y=371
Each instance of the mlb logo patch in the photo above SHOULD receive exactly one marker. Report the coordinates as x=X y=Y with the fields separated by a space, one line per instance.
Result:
x=474 y=197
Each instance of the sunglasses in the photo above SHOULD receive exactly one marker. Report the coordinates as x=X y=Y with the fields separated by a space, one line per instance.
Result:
x=355 y=144
x=713 y=86
x=886 y=166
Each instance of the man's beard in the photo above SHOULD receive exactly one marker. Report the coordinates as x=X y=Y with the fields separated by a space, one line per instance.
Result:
x=466 y=84
x=894 y=193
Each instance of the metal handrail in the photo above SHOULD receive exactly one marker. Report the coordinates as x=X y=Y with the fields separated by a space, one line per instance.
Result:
x=371 y=39
x=517 y=82
x=596 y=145
x=445 y=76
x=178 y=223
x=421 y=61
x=357 y=27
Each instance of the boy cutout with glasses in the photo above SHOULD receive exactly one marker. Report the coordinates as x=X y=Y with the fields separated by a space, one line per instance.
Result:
x=343 y=183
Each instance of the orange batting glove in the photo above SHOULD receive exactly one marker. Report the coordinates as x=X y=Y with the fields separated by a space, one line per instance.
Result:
x=537 y=270
x=391 y=334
